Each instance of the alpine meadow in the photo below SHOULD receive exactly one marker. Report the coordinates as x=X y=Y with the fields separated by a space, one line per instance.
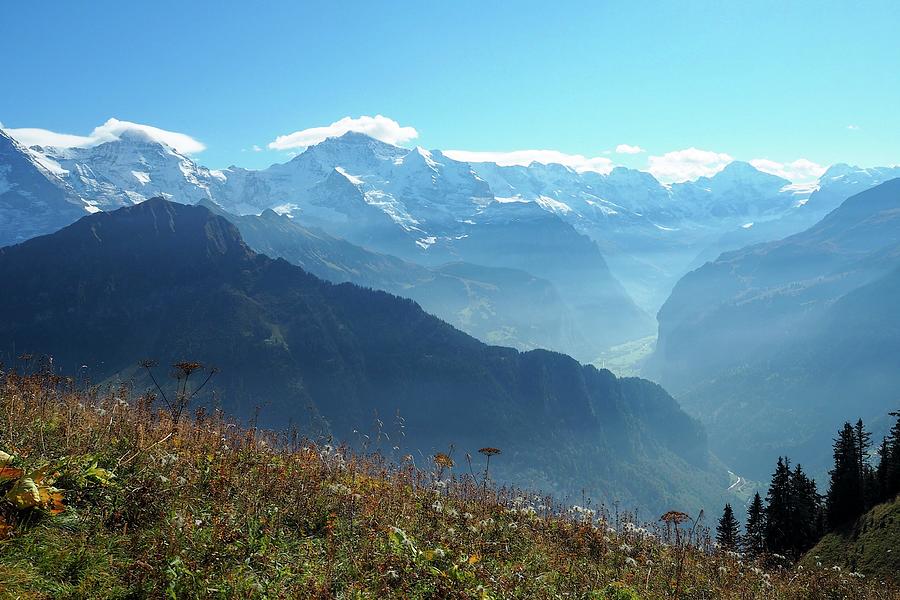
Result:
x=474 y=300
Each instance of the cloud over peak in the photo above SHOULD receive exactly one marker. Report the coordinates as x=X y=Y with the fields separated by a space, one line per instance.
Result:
x=578 y=162
x=798 y=171
x=379 y=127
x=687 y=164
x=110 y=131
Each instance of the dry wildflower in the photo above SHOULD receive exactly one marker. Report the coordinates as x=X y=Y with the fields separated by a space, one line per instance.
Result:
x=443 y=460
x=489 y=451
x=186 y=368
x=674 y=516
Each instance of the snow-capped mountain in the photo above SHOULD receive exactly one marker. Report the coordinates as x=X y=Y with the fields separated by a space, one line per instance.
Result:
x=424 y=194
x=129 y=170
x=33 y=199
x=424 y=206
x=650 y=233
x=622 y=195
x=841 y=181
x=739 y=192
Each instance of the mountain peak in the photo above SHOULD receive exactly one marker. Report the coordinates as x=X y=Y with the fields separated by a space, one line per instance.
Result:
x=351 y=147
x=419 y=156
x=550 y=167
x=153 y=234
x=738 y=166
x=624 y=174
x=355 y=137
x=138 y=136
x=838 y=170
x=741 y=170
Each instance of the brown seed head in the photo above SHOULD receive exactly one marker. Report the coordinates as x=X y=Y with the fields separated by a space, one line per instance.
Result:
x=187 y=367
x=443 y=460
x=674 y=516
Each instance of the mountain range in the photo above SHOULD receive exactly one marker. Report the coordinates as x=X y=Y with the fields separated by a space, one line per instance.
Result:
x=170 y=281
x=127 y=170
x=606 y=244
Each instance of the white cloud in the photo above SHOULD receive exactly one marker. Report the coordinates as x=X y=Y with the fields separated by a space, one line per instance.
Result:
x=379 y=127
x=628 y=149
x=853 y=127
x=109 y=131
x=687 y=164
x=798 y=171
x=30 y=136
x=578 y=162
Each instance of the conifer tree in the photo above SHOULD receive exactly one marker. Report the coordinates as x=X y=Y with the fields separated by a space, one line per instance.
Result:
x=846 y=498
x=806 y=506
x=779 y=520
x=755 y=536
x=866 y=474
x=728 y=531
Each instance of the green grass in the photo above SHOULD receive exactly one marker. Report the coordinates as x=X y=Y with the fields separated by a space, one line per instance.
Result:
x=870 y=546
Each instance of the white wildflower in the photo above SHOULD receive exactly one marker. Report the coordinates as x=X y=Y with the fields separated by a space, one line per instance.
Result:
x=339 y=489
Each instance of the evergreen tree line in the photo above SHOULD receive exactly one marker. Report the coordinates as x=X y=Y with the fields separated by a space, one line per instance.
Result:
x=795 y=516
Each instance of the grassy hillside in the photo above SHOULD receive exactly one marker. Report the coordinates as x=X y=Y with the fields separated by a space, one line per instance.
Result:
x=870 y=546
x=104 y=496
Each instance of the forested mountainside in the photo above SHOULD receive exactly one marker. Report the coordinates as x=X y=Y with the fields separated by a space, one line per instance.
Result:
x=170 y=282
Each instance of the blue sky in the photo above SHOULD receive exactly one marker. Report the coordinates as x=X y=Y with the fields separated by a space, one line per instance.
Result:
x=781 y=81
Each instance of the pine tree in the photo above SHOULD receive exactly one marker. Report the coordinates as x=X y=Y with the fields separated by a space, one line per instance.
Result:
x=846 y=497
x=779 y=523
x=755 y=537
x=806 y=507
x=867 y=476
x=728 y=531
